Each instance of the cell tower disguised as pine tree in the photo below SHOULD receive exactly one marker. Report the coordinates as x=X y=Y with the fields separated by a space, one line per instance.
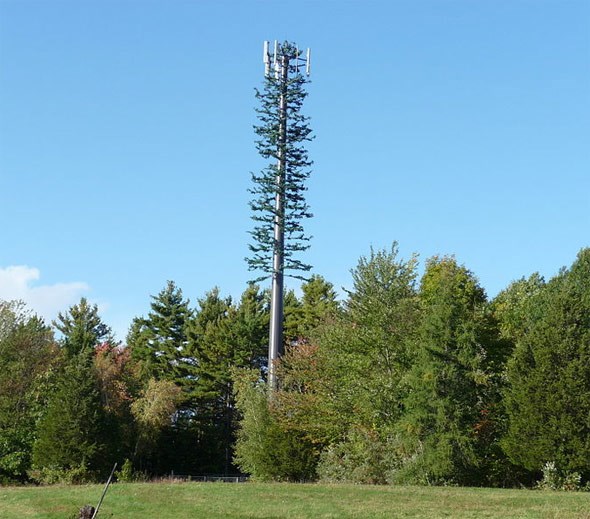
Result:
x=279 y=205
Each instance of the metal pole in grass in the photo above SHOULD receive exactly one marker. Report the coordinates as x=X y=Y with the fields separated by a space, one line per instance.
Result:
x=104 y=492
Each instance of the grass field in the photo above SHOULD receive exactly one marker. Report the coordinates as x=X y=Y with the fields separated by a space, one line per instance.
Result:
x=266 y=501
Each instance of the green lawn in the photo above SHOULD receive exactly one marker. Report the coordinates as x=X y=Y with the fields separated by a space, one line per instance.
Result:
x=266 y=501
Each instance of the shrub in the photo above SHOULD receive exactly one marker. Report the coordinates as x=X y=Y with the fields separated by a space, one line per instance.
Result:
x=555 y=479
x=363 y=458
x=126 y=474
x=56 y=475
x=264 y=448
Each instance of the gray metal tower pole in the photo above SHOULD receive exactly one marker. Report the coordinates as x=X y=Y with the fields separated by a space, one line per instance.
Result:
x=275 y=349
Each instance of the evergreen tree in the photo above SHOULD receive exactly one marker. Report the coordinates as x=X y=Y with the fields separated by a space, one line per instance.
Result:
x=162 y=354
x=548 y=395
x=319 y=302
x=70 y=445
x=287 y=144
x=293 y=318
x=449 y=383
x=225 y=336
x=159 y=342
x=302 y=317
x=82 y=328
x=71 y=442
x=208 y=345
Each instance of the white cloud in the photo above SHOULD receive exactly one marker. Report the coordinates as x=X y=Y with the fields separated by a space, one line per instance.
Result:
x=18 y=282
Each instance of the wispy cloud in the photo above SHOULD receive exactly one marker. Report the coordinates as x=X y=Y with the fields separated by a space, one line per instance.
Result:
x=19 y=282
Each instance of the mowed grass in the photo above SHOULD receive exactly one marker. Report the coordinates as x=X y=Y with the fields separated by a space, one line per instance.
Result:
x=293 y=501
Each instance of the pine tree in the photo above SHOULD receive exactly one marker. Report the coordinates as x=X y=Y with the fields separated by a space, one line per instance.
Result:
x=82 y=328
x=293 y=318
x=209 y=346
x=224 y=336
x=159 y=342
x=161 y=351
x=318 y=303
x=71 y=442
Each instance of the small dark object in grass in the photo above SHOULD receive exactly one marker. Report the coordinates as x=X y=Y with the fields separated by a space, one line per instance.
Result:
x=86 y=512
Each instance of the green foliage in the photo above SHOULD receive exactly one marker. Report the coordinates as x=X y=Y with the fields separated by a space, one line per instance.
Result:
x=306 y=402
x=126 y=474
x=318 y=304
x=513 y=306
x=70 y=434
x=555 y=479
x=159 y=342
x=287 y=142
x=249 y=329
x=292 y=317
x=224 y=336
x=195 y=350
x=362 y=458
x=448 y=385
x=27 y=359
x=209 y=345
x=342 y=391
x=153 y=411
x=548 y=394
x=264 y=448
x=82 y=328
x=370 y=345
x=75 y=475
x=399 y=385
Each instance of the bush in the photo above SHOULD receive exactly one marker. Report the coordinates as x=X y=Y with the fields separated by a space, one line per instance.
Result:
x=126 y=474
x=363 y=458
x=555 y=479
x=264 y=448
x=55 y=475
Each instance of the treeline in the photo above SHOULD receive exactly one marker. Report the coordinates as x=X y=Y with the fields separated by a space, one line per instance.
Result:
x=163 y=403
x=412 y=379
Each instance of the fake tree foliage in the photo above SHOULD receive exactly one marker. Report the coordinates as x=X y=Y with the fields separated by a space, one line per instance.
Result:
x=282 y=132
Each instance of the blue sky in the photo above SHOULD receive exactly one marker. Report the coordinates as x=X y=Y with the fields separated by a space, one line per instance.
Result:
x=126 y=144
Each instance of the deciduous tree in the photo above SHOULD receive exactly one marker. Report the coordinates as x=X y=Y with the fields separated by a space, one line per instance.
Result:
x=28 y=357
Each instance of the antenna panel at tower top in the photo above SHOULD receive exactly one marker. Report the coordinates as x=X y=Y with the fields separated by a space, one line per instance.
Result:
x=274 y=61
